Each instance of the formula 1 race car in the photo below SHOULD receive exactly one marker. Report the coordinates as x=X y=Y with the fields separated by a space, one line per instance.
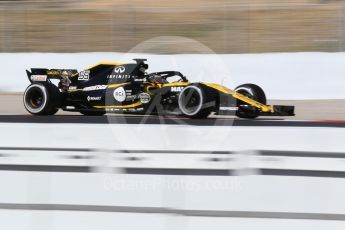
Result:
x=128 y=88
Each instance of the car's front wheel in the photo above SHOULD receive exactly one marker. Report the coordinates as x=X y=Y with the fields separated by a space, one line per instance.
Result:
x=41 y=99
x=194 y=102
x=254 y=92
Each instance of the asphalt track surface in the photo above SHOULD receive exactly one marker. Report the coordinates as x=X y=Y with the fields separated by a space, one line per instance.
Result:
x=221 y=121
x=174 y=211
x=331 y=109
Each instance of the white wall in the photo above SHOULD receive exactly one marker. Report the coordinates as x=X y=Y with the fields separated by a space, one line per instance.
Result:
x=282 y=75
x=250 y=193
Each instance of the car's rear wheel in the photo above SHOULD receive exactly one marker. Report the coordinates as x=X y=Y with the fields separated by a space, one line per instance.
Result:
x=194 y=102
x=254 y=92
x=42 y=99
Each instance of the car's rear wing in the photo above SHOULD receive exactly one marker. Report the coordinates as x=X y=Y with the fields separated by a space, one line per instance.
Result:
x=40 y=74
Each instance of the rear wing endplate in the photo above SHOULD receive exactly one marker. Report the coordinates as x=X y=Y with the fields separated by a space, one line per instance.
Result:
x=40 y=74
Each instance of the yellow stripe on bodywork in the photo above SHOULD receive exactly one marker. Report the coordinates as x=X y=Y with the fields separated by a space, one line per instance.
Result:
x=108 y=87
x=225 y=90
x=74 y=90
x=105 y=63
x=136 y=104
x=101 y=63
x=117 y=85
x=166 y=85
x=175 y=84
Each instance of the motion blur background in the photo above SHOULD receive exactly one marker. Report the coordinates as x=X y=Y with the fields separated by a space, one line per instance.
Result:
x=225 y=26
x=88 y=175
x=263 y=41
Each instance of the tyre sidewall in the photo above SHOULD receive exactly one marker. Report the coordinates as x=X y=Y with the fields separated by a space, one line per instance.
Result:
x=255 y=91
x=51 y=99
x=203 y=109
x=180 y=102
x=257 y=94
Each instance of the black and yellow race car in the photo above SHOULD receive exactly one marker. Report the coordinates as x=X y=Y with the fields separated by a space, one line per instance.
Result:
x=128 y=88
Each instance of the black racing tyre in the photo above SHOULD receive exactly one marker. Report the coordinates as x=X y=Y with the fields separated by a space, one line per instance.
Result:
x=42 y=99
x=93 y=113
x=254 y=92
x=195 y=101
